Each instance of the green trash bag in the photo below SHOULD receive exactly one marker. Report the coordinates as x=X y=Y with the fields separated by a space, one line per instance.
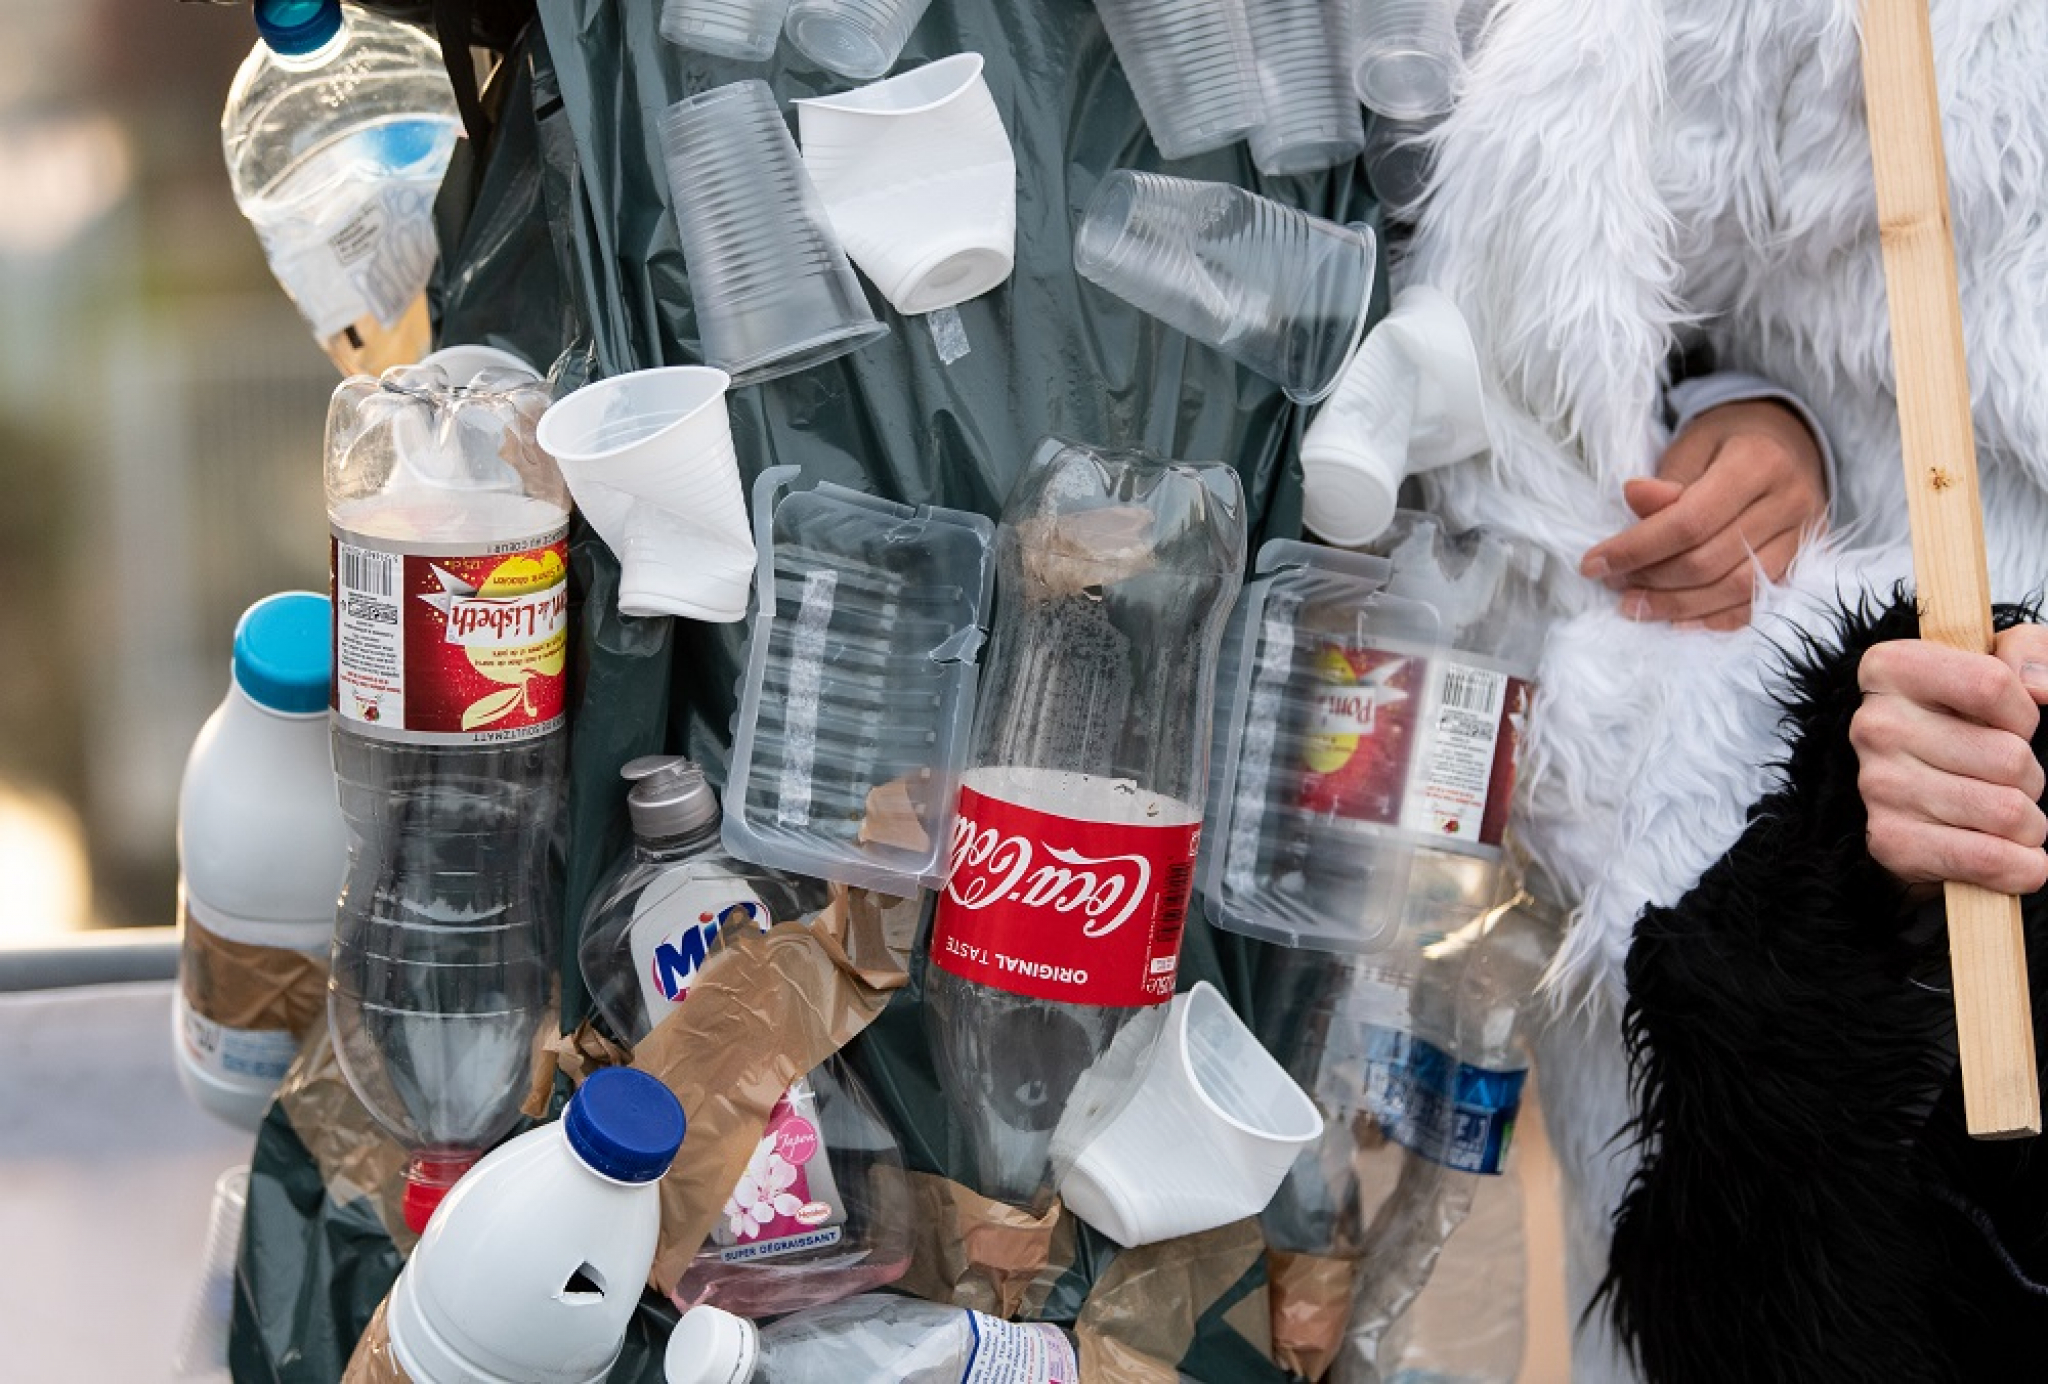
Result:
x=558 y=242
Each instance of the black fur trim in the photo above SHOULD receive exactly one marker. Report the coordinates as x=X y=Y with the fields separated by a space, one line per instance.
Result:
x=1809 y=1207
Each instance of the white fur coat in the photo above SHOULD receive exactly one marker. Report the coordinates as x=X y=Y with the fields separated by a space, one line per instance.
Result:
x=1621 y=177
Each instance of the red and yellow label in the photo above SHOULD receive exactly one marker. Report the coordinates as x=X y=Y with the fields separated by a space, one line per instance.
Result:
x=450 y=648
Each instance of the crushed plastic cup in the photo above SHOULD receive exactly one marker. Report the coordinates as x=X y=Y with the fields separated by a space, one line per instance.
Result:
x=1191 y=65
x=203 y=1350
x=860 y=39
x=919 y=179
x=1279 y=291
x=1311 y=116
x=1204 y=1139
x=1408 y=57
x=770 y=282
x=1411 y=400
x=745 y=30
x=649 y=457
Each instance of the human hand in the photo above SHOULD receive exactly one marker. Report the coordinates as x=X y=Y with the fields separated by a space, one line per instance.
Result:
x=1738 y=489
x=1944 y=765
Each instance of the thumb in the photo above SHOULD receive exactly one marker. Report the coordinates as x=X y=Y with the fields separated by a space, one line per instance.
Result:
x=2024 y=649
x=1647 y=497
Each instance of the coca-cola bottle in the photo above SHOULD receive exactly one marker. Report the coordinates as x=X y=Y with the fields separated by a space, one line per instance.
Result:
x=1080 y=814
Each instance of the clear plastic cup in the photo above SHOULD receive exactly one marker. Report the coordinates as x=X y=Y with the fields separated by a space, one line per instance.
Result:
x=1312 y=120
x=1408 y=57
x=772 y=287
x=649 y=456
x=743 y=29
x=855 y=38
x=1191 y=66
x=1275 y=289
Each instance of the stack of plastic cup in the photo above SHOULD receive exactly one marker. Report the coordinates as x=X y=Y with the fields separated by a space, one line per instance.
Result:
x=742 y=29
x=1408 y=57
x=772 y=287
x=650 y=459
x=1275 y=289
x=855 y=38
x=1312 y=118
x=1191 y=66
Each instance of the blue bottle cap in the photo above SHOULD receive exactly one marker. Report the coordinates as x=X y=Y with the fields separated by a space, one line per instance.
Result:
x=296 y=27
x=284 y=652
x=624 y=1124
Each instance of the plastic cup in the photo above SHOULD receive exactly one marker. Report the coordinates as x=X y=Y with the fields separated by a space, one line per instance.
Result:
x=743 y=29
x=772 y=287
x=1275 y=289
x=649 y=457
x=203 y=1351
x=1312 y=120
x=1408 y=57
x=1191 y=66
x=920 y=182
x=1204 y=1139
x=855 y=38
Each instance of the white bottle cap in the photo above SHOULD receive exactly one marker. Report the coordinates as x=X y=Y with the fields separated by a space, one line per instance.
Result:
x=710 y=1346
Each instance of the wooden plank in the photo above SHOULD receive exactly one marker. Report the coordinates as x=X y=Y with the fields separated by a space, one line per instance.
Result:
x=1994 y=1013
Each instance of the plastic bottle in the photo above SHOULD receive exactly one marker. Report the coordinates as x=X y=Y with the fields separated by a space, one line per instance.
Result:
x=874 y=1336
x=1080 y=815
x=451 y=635
x=822 y=1211
x=337 y=131
x=260 y=855
x=531 y=1269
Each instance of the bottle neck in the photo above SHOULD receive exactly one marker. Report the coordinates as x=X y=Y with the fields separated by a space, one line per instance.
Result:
x=318 y=57
x=663 y=850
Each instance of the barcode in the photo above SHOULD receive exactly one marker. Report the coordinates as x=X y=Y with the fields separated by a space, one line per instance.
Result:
x=1467 y=690
x=367 y=572
x=1173 y=908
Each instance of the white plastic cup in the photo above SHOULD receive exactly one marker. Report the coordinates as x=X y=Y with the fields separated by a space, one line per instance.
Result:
x=860 y=39
x=919 y=179
x=770 y=282
x=1410 y=401
x=1205 y=1138
x=745 y=30
x=650 y=459
x=1275 y=289
x=203 y=1353
x=1408 y=57
x=1311 y=117
x=1191 y=66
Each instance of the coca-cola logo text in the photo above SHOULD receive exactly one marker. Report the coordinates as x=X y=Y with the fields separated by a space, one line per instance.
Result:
x=990 y=867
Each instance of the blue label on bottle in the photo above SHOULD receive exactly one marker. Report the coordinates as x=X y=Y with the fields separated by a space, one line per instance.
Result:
x=1448 y=1111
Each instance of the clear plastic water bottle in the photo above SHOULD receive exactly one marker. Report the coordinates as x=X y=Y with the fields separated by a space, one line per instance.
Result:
x=260 y=853
x=823 y=1210
x=1080 y=814
x=873 y=1336
x=337 y=131
x=450 y=579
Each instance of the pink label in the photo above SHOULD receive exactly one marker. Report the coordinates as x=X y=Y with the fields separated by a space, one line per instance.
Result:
x=773 y=1199
x=1059 y=909
x=450 y=648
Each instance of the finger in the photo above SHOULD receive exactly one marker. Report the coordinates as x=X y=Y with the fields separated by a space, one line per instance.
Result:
x=1645 y=496
x=1917 y=790
x=2024 y=649
x=1690 y=454
x=1886 y=727
x=1976 y=686
x=1758 y=532
x=1928 y=852
x=1709 y=505
x=1735 y=588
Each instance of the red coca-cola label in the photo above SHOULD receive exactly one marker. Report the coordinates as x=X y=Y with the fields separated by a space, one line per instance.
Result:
x=1061 y=909
x=450 y=648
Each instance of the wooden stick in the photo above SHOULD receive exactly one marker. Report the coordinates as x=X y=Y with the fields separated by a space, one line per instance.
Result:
x=1994 y=1014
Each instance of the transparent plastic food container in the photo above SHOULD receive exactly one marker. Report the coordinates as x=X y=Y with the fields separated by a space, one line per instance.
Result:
x=858 y=695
